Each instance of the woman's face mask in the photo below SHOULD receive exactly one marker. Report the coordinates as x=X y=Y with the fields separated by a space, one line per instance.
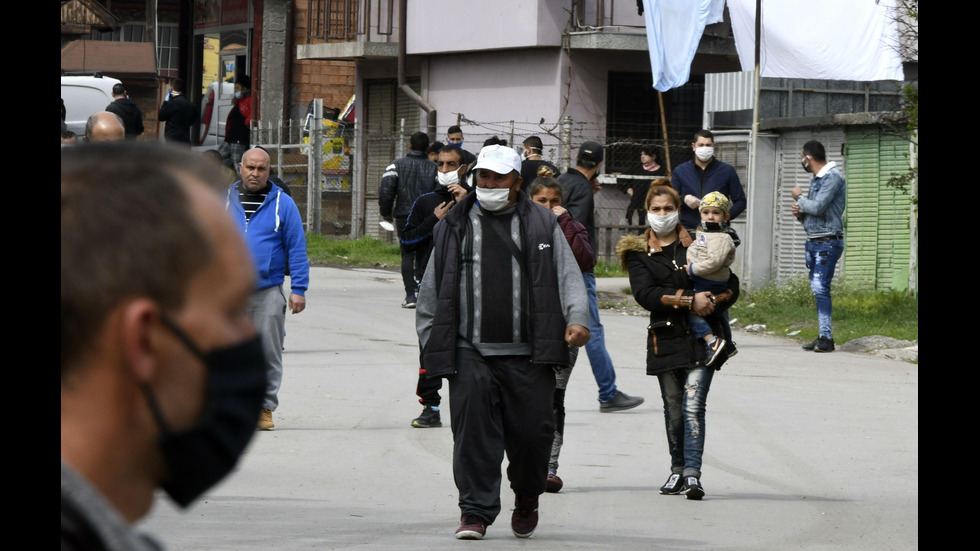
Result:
x=663 y=224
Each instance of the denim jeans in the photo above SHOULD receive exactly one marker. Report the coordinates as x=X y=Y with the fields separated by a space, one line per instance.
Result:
x=685 y=396
x=595 y=349
x=700 y=326
x=821 y=259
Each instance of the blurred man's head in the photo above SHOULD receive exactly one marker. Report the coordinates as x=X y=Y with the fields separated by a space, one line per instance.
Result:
x=104 y=127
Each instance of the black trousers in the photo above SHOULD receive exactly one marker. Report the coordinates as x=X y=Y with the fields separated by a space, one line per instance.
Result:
x=413 y=262
x=498 y=405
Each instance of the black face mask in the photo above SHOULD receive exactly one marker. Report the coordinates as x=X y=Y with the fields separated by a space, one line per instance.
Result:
x=713 y=226
x=200 y=456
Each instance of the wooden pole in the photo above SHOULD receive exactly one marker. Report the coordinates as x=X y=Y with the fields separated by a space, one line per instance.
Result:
x=663 y=124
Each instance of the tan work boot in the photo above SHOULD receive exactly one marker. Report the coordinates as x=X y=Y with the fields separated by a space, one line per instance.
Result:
x=265 y=420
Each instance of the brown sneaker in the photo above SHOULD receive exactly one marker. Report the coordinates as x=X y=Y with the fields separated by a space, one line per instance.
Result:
x=525 y=517
x=471 y=528
x=265 y=420
x=553 y=484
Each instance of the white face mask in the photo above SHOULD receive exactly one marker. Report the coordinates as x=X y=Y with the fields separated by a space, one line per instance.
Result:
x=663 y=225
x=448 y=178
x=493 y=199
x=704 y=153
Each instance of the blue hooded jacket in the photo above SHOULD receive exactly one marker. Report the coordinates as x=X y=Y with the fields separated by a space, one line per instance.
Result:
x=275 y=236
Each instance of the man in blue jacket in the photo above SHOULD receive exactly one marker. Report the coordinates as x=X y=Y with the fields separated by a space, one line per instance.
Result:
x=702 y=175
x=273 y=229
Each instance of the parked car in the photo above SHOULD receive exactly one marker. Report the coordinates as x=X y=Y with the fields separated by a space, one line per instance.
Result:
x=83 y=96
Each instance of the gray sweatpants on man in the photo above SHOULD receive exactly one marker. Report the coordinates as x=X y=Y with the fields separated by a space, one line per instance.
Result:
x=267 y=308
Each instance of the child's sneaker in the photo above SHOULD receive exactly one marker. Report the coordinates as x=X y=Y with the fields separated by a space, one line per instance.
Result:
x=731 y=349
x=712 y=349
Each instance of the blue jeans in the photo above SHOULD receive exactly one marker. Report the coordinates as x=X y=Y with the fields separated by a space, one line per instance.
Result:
x=821 y=259
x=701 y=328
x=685 y=396
x=602 y=366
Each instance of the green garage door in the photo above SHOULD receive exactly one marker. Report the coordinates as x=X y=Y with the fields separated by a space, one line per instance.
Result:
x=877 y=216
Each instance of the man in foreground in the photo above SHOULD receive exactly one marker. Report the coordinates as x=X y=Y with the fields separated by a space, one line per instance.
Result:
x=161 y=369
x=500 y=303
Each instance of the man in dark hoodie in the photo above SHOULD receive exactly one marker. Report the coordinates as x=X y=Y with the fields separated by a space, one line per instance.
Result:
x=124 y=107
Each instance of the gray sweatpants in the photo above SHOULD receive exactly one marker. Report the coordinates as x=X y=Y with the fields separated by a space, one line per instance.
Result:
x=267 y=308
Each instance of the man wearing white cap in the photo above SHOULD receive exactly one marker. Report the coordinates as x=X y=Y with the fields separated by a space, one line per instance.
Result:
x=495 y=317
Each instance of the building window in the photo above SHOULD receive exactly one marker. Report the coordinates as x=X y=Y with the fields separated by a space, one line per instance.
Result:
x=167 y=42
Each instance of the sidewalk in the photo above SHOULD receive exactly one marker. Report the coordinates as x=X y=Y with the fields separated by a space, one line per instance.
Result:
x=803 y=451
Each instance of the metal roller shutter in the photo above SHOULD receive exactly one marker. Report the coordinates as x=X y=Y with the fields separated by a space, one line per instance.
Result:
x=788 y=246
x=386 y=107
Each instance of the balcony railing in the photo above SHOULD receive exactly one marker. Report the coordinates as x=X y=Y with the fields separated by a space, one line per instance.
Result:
x=373 y=20
x=350 y=20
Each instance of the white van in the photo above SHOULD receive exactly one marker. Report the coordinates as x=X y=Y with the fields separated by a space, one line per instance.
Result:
x=85 y=95
x=215 y=106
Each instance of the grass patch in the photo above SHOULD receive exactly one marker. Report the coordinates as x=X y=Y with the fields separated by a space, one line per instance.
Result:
x=608 y=269
x=790 y=306
x=365 y=252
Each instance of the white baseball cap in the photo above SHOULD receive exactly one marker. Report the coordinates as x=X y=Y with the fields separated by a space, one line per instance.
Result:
x=501 y=159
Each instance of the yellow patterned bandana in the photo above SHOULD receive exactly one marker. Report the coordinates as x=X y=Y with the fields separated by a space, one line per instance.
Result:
x=716 y=199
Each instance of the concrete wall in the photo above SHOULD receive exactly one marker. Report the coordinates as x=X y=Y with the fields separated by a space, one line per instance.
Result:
x=453 y=25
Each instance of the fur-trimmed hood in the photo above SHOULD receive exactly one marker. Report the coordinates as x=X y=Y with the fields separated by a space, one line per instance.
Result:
x=646 y=242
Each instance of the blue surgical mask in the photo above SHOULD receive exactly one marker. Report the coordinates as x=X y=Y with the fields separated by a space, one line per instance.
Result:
x=238 y=95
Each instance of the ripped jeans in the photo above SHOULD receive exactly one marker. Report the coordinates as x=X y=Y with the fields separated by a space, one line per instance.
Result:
x=685 y=396
x=821 y=259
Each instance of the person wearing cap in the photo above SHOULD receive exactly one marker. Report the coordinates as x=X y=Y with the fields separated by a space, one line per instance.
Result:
x=702 y=175
x=237 y=131
x=498 y=307
x=708 y=264
x=577 y=184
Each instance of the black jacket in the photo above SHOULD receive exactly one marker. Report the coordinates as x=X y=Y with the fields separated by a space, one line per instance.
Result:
x=180 y=114
x=578 y=200
x=406 y=178
x=548 y=346
x=131 y=115
x=654 y=276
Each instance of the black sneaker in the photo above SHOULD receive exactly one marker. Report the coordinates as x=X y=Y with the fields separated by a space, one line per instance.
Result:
x=674 y=485
x=525 y=517
x=410 y=301
x=811 y=345
x=824 y=345
x=620 y=402
x=430 y=418
x=712 y=350
x=731 y=349
x=693 y=488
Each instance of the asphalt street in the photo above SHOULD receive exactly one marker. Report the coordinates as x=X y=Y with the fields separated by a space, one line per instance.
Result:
x=803 y=450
